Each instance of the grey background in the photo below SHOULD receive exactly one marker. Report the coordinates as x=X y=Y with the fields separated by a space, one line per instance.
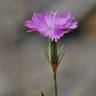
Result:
x=23 y=69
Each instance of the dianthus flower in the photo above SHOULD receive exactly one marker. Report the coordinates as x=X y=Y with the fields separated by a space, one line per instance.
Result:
x=51 y=24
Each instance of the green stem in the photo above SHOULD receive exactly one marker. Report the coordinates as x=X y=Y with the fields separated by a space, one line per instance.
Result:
x=49 y=49
x=55 y=83
x=53 y=61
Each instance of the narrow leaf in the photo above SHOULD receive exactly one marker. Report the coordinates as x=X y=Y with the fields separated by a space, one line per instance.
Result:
x=61 y=56
x=46 y=55
x=62 y=49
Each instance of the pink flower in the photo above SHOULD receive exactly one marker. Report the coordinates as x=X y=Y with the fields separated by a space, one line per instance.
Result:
x=51 y=24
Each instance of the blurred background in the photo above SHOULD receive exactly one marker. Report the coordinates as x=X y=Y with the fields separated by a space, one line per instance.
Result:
x=24 y=70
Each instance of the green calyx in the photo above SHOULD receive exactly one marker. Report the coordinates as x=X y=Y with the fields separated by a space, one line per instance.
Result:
x=52 y=54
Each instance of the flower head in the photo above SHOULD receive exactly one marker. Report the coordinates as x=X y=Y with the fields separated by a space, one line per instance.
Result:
x=51 y=24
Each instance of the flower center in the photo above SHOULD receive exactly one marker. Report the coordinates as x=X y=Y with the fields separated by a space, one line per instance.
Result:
x=50 y=28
